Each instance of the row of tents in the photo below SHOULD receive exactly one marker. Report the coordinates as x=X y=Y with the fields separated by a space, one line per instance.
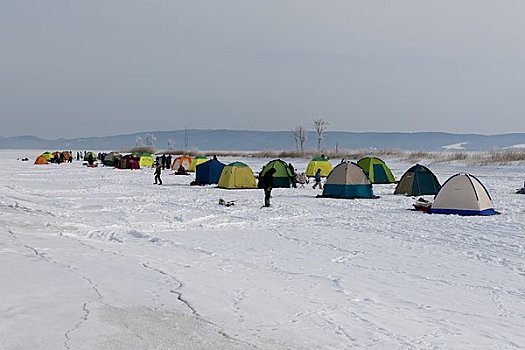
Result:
x=461 y=194
x=146 y=160
x=376 y=169
x=53 y=157
x=61 y=156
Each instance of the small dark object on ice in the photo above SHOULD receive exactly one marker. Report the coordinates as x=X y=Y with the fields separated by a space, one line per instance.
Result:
x=226 y=203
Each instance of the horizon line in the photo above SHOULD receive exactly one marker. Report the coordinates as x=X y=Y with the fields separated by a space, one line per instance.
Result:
x=261 y=131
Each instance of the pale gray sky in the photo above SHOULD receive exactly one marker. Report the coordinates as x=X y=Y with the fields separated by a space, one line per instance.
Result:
x=103 y=67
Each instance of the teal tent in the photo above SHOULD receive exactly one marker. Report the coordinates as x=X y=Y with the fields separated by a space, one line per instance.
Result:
x=417 y=181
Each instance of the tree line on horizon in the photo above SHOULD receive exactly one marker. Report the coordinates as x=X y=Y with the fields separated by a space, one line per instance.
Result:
x=299 y=134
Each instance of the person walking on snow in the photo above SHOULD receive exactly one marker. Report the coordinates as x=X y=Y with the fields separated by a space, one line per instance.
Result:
x=158 y=171
x=317 y=178
x=268 y=185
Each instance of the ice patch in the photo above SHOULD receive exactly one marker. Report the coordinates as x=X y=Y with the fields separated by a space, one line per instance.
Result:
x=145 y=328
x=456 y=146
x=519 y=146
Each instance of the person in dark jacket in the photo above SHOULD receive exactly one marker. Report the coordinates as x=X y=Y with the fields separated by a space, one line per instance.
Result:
x=168 y=161
x=163 y=161
x=158 y=171
x=317 y=178
x=268 y=185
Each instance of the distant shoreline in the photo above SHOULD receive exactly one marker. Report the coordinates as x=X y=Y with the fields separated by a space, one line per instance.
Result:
x=256 y=141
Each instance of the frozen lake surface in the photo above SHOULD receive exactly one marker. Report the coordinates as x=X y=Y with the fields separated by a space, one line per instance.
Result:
x=99 y=258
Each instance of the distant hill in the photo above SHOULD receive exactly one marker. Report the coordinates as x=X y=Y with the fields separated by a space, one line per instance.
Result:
x=242 y=140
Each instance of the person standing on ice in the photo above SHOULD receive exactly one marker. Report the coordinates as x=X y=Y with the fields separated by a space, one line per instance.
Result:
x=317 y=178
x=294 y=175
x=168 y=161
x=268 y=185
x=158 y=171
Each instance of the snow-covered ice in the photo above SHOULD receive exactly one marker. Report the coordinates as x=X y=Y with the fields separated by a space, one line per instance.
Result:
x=98 y=258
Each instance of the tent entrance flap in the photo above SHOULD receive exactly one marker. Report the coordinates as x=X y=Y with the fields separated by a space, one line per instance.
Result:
x=380 y=174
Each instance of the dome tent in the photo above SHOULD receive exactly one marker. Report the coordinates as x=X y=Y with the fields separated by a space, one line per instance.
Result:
x=283 y=176
x=463 y=194
x=209 y=172
x=196 y=161
x=376 y=170
x=128 y=161
x=185 y=161
x=47 y=155
x=347 y=180
x=417 y=181
x=88 y=154
x=318 y=163
x=237 y=175
x=41 y=159
x=146 y=161
x=112 y=159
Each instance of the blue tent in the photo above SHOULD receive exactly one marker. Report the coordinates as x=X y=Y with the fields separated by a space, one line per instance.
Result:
x=209 y=172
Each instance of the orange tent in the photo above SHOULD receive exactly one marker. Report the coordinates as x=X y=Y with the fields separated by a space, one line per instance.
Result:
x=185 y=161
x=41 y=160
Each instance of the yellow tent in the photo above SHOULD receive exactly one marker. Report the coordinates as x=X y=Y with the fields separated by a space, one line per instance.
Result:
x=47 y=155
x=318 y=163
x=237 y=175
x=146 y=161
x=196 y=161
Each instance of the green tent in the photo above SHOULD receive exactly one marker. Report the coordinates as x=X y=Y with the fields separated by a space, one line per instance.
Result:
x=417 y=181
x=93 y=155
x=376 y=170
x=47 y=155
x=283 y=176
x=112 y=159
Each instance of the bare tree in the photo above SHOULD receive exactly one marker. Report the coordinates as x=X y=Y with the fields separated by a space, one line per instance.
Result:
x=150 y=140
x=139 y=141
x=186 y=138
x=171 y=144
x=320 y=126
x=300 y=134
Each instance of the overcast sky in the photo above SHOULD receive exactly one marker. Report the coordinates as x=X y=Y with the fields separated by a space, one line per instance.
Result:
x=104 y=67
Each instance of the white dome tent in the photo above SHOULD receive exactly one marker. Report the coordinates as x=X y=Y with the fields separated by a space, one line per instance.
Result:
x=463 y=194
